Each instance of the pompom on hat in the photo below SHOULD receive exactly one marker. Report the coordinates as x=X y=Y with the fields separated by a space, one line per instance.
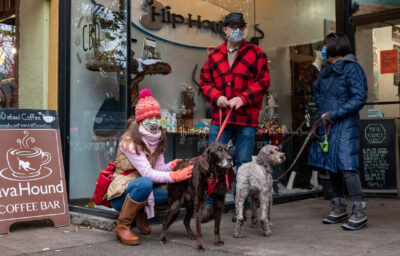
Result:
x=147 y=106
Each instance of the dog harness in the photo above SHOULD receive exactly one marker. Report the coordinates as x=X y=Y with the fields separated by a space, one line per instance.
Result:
x=212 y=183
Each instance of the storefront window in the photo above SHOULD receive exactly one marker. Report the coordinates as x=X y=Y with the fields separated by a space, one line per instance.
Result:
x=290 y=32
x=8 y=49
x=167 y=54
x=362 y=7
x=378 y=51
x=98 y=90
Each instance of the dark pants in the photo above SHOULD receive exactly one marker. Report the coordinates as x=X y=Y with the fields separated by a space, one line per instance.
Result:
x=353 y=184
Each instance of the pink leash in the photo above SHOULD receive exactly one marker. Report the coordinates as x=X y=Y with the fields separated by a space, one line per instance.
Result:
x=221 y=129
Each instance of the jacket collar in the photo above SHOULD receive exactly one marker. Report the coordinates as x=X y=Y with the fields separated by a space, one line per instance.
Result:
x=223 y=48
x=339 y=66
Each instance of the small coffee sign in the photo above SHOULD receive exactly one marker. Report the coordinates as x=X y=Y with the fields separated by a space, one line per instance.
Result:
x=32 y=183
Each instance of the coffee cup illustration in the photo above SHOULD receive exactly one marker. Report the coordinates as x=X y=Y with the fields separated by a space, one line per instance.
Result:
x=27 y=161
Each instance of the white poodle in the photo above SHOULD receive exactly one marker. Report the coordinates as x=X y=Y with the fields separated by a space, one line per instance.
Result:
x=254 y=179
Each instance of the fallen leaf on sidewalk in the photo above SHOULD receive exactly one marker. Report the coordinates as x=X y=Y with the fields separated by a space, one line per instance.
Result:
x=45 y=249
x=66 y=231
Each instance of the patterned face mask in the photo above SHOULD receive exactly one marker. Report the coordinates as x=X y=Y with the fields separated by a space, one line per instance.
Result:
x=152 y=125
x=236 y=35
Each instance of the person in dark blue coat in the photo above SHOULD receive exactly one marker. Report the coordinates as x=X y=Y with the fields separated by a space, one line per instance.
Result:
x=339 y=93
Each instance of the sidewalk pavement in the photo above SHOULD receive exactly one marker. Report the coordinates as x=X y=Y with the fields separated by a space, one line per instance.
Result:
x=297 y=231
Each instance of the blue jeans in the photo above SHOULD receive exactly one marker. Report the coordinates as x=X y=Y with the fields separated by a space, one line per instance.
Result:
x=244 y=143
x=139 y=190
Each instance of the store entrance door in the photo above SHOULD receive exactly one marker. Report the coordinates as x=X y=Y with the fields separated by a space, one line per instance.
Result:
x=378 y=52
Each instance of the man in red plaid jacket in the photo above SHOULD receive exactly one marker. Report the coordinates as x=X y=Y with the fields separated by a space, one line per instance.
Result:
x=235 y=76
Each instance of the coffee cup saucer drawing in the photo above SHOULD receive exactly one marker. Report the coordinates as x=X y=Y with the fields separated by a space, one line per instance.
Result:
x=6 y=173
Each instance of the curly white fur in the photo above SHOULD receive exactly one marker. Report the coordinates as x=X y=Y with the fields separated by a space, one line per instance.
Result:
x=254 y=179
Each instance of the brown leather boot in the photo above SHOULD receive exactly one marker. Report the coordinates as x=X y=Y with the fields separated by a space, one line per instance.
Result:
x=141 y=222
x=128 y=212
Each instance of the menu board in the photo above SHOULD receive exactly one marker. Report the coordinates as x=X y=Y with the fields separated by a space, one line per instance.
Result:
x=32 y=182
x=379 y=155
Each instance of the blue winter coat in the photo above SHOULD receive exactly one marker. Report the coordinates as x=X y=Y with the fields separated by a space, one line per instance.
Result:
x=347 y=95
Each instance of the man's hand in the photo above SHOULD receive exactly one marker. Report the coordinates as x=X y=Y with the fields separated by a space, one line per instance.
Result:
x=222 y=102
x=236 y=103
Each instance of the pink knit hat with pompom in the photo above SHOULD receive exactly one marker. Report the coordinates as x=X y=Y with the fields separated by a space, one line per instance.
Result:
x=147 y=106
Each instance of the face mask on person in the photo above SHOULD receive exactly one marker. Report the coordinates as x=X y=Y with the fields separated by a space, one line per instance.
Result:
x=236 y=35
x=152 y=125
x=323 y=52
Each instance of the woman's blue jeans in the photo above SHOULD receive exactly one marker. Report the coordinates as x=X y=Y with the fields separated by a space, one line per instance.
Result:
x=244 y=143
x=139 y=190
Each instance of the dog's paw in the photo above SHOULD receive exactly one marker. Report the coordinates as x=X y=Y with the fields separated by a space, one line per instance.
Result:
x=219 y=243
x=200 y=247
x=238 y=234
x=191 y=236
x=163 y=240
x=267 y=233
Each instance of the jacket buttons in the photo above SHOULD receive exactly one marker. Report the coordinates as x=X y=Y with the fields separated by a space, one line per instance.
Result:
x=230 y=83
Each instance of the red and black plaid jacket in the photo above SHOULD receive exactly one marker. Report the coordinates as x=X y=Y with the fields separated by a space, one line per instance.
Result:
x=248 y=78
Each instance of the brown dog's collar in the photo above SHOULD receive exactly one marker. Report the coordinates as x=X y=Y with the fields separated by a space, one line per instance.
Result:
x=212 y=183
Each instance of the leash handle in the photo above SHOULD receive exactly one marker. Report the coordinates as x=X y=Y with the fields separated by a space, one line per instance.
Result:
x=222 y=126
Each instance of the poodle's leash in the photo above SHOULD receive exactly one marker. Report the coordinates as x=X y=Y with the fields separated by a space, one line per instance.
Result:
x=313 y=129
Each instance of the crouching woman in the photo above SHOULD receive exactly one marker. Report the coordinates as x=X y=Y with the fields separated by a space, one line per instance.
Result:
x=137 y=185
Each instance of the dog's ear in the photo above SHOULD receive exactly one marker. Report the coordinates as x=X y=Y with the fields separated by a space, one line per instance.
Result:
x=204 y=159
x=262 y=158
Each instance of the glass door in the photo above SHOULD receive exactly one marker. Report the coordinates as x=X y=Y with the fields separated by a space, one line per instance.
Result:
x=378 y=52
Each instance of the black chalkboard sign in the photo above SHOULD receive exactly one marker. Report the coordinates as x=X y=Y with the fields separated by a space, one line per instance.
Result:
x=379 y=155
x=28 y=119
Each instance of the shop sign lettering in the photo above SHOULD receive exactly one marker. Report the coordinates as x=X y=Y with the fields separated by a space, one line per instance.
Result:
x=375 y=133
x=32 y=184
x=90 y=36
x=156 y=15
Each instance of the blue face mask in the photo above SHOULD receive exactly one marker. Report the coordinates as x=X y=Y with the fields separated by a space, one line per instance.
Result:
x=236 y=35
x=323 y=52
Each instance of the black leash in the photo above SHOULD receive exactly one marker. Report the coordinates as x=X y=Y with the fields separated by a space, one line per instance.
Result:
x=313 y=129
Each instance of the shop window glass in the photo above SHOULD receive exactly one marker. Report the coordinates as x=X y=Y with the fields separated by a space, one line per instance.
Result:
x=8 y=91
x=362 y=7
x=290 y=32
x=97 y=91
x=167 y=56
x=377 y=46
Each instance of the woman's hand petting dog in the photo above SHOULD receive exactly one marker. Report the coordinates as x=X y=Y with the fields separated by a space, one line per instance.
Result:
x=182 y=175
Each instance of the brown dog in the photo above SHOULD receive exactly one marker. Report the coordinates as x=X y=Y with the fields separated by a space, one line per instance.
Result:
x=212 y=166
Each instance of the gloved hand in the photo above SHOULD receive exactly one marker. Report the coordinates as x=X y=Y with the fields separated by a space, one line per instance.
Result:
x=327 y=118
x=174 y=163
x=182 y=175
